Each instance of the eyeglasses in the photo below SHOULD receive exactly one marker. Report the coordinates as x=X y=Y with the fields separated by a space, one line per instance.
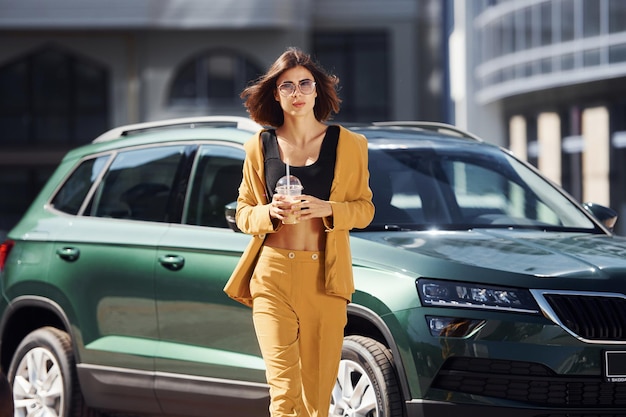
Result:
x=288 y=88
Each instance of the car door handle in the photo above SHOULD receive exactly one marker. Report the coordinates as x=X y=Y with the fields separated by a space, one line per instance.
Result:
x=68 y=254
x=172 y=262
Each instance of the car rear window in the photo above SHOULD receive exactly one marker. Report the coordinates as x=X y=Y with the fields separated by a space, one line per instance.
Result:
x=138 y=185
x=71 y=195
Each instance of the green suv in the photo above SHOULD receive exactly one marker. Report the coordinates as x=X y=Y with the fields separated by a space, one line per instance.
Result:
x=481 y=288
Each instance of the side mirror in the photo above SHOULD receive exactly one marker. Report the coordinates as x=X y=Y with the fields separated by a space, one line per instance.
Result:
x=606 y=215
x=229 y=212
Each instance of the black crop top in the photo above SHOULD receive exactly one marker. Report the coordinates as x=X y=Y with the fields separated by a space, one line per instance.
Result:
x=315 y=178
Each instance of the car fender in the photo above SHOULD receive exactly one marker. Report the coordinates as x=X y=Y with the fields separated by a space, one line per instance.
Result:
x=402 y=362
x=12 y=329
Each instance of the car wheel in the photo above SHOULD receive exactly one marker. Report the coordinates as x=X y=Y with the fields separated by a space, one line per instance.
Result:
x=367 y=385
x=43 y=376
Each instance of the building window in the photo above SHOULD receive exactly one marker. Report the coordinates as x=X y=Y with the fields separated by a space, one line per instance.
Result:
x=532 y=137
x=361 y=61
x=617 y=16
x=591 y=18
x=546 y=23
x=212 y=77
x=567 y=21
x=52 y=100
x=617 y=175
x=572 y=147
x=52 y=97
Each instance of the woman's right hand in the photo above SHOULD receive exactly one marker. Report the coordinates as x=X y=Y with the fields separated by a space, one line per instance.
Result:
x=282 y=206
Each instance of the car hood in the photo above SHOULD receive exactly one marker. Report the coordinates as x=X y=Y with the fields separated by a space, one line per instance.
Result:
x=535 y=253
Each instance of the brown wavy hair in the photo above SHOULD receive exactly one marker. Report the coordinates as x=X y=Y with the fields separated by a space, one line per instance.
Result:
x=259 y=96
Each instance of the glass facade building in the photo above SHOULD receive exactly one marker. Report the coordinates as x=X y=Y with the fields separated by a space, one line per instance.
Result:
x=554 y=73
x=532 y=45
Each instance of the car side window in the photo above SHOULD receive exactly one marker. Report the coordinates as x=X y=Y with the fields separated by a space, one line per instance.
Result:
x=71 y=195
x=138 y=184
x=216 y=181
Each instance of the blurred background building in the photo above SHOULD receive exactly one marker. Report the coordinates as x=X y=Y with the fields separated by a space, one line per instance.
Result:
x=545 y=78
x=71 y=69
x=550 y=78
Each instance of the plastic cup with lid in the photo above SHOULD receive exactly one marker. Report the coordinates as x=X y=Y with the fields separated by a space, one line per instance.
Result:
x=290 y=187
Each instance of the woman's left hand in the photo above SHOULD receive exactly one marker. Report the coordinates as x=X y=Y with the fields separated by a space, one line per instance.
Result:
x=312 y=207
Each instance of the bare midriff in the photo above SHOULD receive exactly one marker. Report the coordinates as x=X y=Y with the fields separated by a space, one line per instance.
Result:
x=309 y=235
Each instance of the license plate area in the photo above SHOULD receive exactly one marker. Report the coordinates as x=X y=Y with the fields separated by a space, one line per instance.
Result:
x=615 y=366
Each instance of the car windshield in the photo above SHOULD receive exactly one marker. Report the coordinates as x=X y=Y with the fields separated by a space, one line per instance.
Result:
x=460 y=188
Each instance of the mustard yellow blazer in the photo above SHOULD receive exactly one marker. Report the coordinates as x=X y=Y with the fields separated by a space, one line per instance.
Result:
x=351 y=201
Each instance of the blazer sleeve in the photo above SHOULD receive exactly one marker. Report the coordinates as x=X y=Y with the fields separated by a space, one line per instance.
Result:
x=351 y=200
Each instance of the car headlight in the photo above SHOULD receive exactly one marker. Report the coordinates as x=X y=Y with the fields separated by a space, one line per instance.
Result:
x=437 y=293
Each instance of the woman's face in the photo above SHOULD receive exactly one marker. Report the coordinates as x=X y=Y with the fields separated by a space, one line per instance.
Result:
x=296 y=92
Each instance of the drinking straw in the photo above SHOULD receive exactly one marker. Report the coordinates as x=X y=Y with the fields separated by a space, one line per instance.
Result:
x=288 y=179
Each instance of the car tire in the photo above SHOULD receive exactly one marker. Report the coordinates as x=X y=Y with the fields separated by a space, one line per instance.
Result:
x=367 y=384
x=43 y=376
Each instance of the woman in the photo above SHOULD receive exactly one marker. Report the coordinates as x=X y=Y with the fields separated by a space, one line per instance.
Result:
x=298 y=277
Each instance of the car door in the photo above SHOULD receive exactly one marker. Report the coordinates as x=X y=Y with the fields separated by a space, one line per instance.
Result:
x=105 y=262
x=208 y=355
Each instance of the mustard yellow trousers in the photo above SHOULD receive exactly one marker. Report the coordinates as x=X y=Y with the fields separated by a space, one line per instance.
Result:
x=299 y=329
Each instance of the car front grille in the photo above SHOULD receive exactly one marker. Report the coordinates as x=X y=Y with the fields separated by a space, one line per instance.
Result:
x=530 y=383
x=591 y=317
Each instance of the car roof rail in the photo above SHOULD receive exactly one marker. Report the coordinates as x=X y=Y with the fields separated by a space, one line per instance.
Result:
x=433 y=126
x=238 y=122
